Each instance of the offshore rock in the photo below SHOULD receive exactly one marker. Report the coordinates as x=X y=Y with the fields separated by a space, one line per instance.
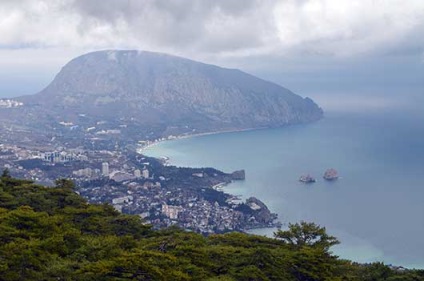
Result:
x=331 y=174
x=307 y=179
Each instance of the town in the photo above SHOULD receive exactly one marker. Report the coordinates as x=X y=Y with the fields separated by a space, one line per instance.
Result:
x=107 y=171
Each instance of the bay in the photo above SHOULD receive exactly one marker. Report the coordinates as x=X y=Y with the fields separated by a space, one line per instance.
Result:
x=375 y=209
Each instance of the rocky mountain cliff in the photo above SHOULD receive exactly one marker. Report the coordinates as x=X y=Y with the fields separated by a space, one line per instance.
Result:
x=152 y=89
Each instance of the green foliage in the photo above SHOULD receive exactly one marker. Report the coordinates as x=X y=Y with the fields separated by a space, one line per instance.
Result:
x=5 y=173
x=65 y=184
x=53 y=234
x=306 y=234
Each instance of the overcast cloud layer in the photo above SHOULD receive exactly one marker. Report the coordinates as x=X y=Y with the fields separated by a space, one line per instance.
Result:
x=307 y=45
x=224 y=27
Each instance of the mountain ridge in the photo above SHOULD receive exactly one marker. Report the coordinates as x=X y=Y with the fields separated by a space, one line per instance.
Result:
x=152 y=90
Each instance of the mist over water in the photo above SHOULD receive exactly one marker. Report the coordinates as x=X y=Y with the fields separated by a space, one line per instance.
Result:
x=375 y=208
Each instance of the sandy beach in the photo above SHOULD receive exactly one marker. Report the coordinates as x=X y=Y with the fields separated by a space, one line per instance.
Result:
x=156 y=142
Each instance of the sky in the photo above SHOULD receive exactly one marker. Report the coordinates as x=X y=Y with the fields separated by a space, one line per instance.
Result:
x=335 y=51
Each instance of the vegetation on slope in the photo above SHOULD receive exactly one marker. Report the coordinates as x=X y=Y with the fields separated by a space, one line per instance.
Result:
x=54 y=234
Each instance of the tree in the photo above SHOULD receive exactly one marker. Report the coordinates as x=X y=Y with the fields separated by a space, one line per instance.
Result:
x=310 y=258
x=306 y=234
x=65 y=184
x=6 y=173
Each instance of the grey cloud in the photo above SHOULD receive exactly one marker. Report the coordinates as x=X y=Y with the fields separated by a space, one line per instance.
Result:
x=225 y=27
x=180 y=10
x=184 y=24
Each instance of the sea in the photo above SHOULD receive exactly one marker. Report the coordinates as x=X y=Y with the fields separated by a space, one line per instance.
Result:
x=375 y=208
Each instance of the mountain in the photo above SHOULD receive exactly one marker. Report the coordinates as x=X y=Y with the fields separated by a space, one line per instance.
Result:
x=153 y=89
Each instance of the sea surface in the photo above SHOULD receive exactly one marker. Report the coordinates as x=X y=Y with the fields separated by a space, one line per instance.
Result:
x=376 y=208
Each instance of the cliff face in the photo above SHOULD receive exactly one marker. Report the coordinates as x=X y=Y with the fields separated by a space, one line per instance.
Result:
x=156 y=89
x=262 y=214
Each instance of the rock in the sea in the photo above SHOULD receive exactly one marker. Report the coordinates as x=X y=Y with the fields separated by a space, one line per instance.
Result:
x=331 y=174
x=307 y=178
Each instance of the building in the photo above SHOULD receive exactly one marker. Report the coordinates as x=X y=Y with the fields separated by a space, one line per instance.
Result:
x=145 y=173
x=105 y=169
x=137 y=173
x=122 y=200
x=57 y=157
x=171 y=211
x=119 y=202
x=87 y=172
x=120 y=176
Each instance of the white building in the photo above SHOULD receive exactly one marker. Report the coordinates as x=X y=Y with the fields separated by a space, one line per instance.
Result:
x=87 y=172
x=105 y=169
x=145 y=173
x=56 y=156
x=137 y=173
x=171 y=211
x=122 y=200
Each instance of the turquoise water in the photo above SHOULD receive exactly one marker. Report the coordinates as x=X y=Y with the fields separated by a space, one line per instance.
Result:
x=376 y=208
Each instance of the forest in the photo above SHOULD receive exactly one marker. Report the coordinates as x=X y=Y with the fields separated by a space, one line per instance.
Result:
x=52 y=233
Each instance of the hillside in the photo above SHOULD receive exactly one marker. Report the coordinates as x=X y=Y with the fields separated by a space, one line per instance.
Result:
x=152 y=90
x=53 y=234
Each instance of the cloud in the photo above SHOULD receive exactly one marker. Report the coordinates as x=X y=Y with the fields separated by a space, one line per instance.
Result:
x=223 y=27
x=347 y=27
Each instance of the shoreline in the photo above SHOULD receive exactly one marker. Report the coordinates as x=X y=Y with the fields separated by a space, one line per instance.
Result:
x=347 y=245
x=193 y=135
x=164 y=139
x=221 y=186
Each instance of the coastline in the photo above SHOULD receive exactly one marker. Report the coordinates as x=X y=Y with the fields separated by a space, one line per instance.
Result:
x=337 y=122
x=221 y=186
x=186 y=136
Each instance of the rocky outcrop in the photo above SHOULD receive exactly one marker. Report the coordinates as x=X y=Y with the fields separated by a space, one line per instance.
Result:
x=238 y=175
x=331 y=174
x=261 y=212
x=307 y=178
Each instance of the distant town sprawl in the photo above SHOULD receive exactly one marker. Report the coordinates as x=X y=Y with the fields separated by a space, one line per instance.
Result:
x=162 y=195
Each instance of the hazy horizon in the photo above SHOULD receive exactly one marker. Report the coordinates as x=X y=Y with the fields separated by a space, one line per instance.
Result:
x=342 y=54
x=349 y=87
